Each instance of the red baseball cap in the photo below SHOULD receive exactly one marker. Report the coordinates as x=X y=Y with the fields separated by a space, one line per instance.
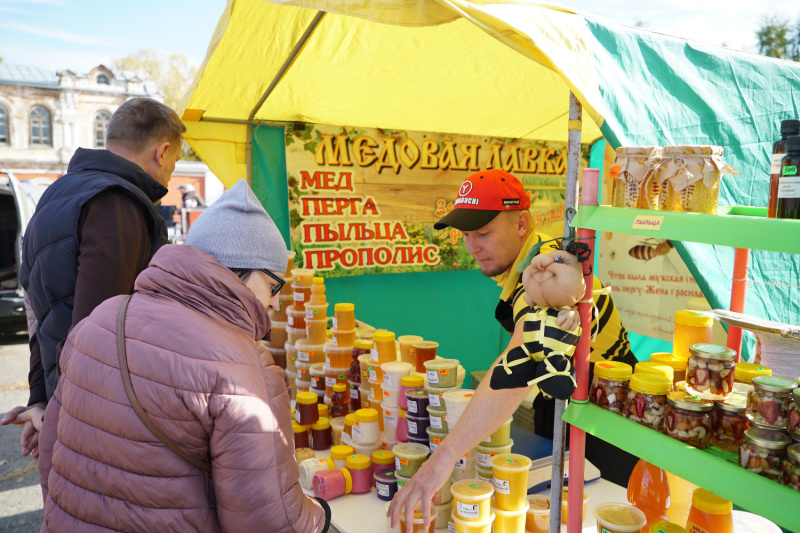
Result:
x=481 y=197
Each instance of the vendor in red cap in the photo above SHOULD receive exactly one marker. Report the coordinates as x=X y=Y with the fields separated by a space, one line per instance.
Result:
x=491 y=210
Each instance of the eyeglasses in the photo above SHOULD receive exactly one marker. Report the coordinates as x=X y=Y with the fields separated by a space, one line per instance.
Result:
x=275 y=288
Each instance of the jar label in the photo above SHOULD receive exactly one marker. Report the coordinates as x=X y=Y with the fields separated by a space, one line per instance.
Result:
x=434 y=399
x=693 y=528
x=383 y=489
x=346 y=439
x=334 y=341
x=373 y=374
x=390 y=421
x=387 y=381
x=501 y=486
x=412 y=407
x=461 y=464
x=433 y=446
x=614 y=171
x=436 y=422
x=775 y=167
x=298 y=297
x=354 y=392
x=789 y=187
x=373 y=353
x=310 y=313
x=433 y=376
x=297 y=415
x=290 y=320
x=451 y=527
x=484 y=459
x=328 y=360
x=412 y=427
x=468 y=510
x=304 y=356
x=330 y=382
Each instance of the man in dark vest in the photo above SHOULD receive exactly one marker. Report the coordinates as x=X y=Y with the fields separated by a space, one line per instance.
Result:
x=94 y=230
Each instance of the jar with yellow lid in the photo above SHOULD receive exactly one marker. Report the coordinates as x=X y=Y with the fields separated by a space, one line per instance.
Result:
x=794 y=414
x=344 y=316
x=347 y=432
x=384 y=348
x=791 y=467
x=709 y=512
x=366 y=428
x=710 y=371
x=768 y=402
x=691 y=327
x=647 y=400
x=340 y=453
x=744 y=374
x=306 y=411
x=728 y=424
x=609 y=388
x=688 y=419
x=652 y=367
x=763 y=451
x=677 y=364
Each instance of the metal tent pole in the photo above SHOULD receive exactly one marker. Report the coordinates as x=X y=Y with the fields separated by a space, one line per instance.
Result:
x=570 y=206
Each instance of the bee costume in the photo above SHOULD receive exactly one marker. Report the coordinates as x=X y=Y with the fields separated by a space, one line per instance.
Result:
x=544 y=357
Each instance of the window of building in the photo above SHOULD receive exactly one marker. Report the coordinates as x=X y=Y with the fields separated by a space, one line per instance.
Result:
x=101 y=128
x=102 y=79
x=3 y=126
x=41 y=131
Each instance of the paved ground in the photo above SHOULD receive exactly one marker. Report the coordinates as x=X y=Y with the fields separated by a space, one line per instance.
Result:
x=20 y=495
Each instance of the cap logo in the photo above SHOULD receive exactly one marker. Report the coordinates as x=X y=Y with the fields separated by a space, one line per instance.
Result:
x=510 y=201
x=465 y=188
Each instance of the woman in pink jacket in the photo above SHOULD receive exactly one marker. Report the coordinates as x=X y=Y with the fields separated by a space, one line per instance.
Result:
x=192 y=332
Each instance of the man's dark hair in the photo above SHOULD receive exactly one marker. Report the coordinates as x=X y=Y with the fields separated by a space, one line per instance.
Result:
x=140 y=122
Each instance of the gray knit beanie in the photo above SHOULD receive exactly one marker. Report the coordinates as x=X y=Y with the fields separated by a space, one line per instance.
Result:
x=236 y=231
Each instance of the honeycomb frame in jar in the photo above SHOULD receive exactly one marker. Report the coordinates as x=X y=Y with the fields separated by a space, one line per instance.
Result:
x=768 y=404
x=710 y=371
x=688 y=419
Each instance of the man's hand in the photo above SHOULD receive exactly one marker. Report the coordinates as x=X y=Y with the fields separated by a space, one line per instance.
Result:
x=568 y=319
x=429 y=478
x=30 y=418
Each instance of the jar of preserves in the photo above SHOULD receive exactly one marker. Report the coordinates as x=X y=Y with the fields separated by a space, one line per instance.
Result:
x=791 y=467
x=744 y=374
x=677 y=364
x=610 y=385
x=762 y=452
x=347 y=432
x=710 y=371
x=321 y=434
x=340 y=401
x=647 y=400
x=794 y=414
x=691 y=175
x=688 y=419
x=728 y=424
x=632 y=166
x=691 y=327
x=768 y=402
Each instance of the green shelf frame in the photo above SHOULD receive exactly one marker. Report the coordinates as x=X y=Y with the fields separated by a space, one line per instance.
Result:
x=750 y=491
x=739 y=227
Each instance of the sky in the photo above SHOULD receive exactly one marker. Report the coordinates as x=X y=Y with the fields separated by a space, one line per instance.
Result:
x=80 y=34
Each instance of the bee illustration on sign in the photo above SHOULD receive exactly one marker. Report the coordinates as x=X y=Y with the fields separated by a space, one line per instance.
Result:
x=650 y=248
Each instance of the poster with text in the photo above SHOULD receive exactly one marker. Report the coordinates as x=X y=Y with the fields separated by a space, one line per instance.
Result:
x=364 y=201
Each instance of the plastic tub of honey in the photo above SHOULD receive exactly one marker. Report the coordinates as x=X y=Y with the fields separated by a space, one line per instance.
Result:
x=278 y=335
x=363 y=362
x=338 y=356
x=296 y=317
x=442 y=373
x=334 y=376
x=316 y=330
x=317 y=311
x=406 y=343
x=383 y=347
x=464 y=526
x=343 y=337
x=472 y=500
x=510 y=521
x=393 y=371
x=485 y=452
x=419 y=524
x=279 y=356
x=377 y=390
x=537 y=519
x=619 y=518
x=308 y=352
x=344 y=316
x=295 y=334
x=374 y=372
x=510 y=480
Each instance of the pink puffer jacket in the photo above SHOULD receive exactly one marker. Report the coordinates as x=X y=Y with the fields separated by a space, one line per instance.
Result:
x=197 y=367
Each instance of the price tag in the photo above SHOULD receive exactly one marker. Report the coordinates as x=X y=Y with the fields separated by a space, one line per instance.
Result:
x=335 y=322
x=614 y=171
x=373 y=353
x=303 y=356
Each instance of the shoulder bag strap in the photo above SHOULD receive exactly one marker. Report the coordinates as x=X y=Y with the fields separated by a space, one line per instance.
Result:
x=126 y=379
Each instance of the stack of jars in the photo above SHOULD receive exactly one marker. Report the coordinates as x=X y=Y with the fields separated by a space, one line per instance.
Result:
x=358 y=375
x=365 y=432
x=394 y=426
x=510 y=504
x=278 y=319
x=383 y=350
x=300 y=353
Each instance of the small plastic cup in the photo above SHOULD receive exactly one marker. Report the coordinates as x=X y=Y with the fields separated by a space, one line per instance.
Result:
x=442 y=373
x=619 y=518
x=423 y=351
x=463 y=526
x=472 y=500
x=537 y=519
x=510 y=480
x=510 y=521
x=406 y=343
x=393 y=371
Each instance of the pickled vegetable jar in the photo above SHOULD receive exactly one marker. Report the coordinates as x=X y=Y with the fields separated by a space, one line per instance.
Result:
x=710 y=371
x=794 y=414
x=610 y=385
x=688 y=419
x=728 y=424
x=791 y=467
x=647 y=400
x=768 y=402
x=762 y=452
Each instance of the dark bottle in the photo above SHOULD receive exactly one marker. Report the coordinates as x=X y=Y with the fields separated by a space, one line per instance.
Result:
x=788 y=128
x=789 y=182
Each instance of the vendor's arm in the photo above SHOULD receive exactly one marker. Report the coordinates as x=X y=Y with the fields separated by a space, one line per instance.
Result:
x=485 y=413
